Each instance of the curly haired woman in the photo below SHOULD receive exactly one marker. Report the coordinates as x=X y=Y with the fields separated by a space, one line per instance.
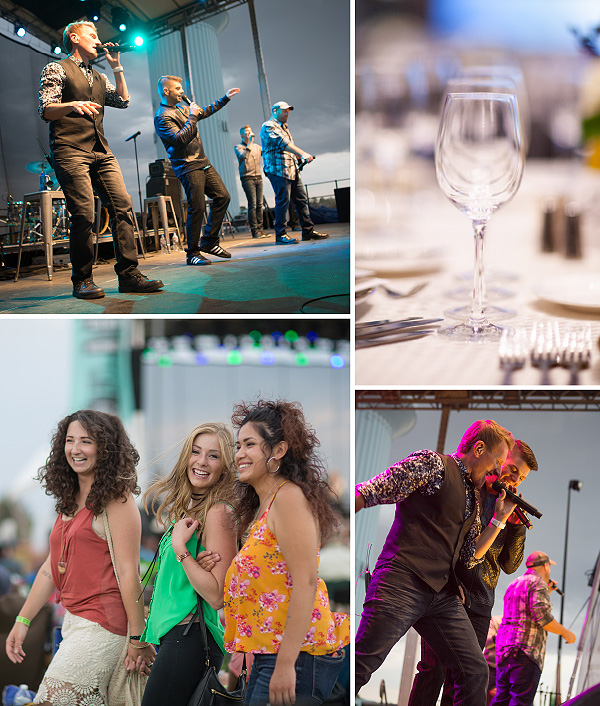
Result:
x=197 y=508
x=276 y=606
x=91 y=469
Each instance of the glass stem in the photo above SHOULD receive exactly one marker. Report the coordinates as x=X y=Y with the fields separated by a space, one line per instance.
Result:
x=479 y=292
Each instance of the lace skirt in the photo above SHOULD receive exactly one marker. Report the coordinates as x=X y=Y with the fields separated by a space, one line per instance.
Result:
x=82 y=666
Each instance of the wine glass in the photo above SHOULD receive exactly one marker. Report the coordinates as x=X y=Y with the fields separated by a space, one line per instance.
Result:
x=479 y=163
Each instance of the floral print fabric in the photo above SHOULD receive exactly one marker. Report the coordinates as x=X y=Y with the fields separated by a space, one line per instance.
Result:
x=258 y=586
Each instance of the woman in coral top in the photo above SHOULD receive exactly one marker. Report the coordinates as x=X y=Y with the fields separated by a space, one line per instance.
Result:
x=91 y=474
x=276 y=606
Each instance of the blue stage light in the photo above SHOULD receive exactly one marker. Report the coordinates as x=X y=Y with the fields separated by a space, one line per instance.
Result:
x=337 y=361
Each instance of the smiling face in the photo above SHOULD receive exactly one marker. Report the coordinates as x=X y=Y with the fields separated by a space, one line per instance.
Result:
x=81 y=450
x=515 y=470
x=485 y=462
x=250 y=457
x=205 y=465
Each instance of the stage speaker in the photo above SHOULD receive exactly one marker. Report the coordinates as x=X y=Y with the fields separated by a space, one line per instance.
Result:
x=589 y=697
x=167 y=186
x=342 y=203
x=161 y=167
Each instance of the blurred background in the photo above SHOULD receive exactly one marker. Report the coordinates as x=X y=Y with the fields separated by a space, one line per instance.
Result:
x=163 y=378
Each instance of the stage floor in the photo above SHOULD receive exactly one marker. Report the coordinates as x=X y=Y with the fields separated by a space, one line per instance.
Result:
x=260 y=278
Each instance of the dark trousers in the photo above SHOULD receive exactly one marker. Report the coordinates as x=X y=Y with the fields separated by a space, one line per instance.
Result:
x=79 y=174
x=398 y=599
x=178 y=666
x=431 y=673
x=286 y=189
x=253 y=188
x=517 y=679
x=197 y=184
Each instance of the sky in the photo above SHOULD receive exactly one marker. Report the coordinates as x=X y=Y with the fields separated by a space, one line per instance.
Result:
x=566 y=447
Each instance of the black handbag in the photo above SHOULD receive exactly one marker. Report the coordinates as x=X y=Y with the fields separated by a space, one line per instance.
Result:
x=210 y=691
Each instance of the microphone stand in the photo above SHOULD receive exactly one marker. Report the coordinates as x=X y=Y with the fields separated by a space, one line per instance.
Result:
x=137 y=166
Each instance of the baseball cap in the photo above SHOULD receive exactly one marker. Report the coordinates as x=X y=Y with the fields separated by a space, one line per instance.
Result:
x=283 y=105
x=537 y=559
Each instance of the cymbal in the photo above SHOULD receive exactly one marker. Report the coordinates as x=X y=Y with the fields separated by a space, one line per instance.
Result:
x=39 y=167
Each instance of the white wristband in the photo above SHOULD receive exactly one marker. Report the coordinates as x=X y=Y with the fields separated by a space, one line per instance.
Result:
x=118 y=70
x=497 y=523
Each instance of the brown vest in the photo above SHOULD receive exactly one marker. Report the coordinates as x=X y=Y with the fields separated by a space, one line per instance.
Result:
x=428 y=530
x=80 y=131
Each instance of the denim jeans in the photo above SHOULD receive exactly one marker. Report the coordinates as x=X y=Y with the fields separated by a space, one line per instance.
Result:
x=286 y=189
x=517 y=679
x=179 y=665
x=79 y=174
x=253 y=188
x=398 y=599
x=197 y=184
x=315 y=678
x=431 y=673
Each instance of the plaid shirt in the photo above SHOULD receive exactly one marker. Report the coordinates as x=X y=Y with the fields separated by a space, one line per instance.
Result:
x=527 y=609
x=422 y=471
x=274 y=138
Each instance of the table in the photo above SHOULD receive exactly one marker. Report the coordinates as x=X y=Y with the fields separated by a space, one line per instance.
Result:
x=420 y=217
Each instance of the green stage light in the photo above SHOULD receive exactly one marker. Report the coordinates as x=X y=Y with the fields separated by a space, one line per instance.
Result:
x=291 y=336
x=138 y=40
x=301 y=359
x=234 y=358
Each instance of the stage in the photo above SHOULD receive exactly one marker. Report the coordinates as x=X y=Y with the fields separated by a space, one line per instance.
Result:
x=260 y=278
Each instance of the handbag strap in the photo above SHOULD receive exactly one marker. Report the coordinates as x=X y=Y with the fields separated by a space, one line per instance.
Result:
x=200 y=613
x=112 y=557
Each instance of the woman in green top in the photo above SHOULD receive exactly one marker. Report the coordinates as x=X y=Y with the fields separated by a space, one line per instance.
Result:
x=196 y=507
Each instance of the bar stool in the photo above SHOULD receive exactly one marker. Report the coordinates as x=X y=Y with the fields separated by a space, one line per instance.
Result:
x=159 y=203
x=227 y=226
x=46 y=201
x=100 y=210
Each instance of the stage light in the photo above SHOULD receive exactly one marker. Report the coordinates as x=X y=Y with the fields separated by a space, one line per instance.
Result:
x=234 y=358
x=56 y=49
x=291 y=336
x=20 y=31
x=337 y=361
x=267 y=358
x=138 y=40
x=120 y=18
x=301 y=359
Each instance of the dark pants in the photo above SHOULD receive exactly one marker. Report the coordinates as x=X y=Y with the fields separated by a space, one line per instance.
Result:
x=178 y=666
x=396 y=600
x=197 y=184
x=517 y=679
x=315 y=678
x=253 y=188
x=286 y=189
x=431 y=673
x=79 y=173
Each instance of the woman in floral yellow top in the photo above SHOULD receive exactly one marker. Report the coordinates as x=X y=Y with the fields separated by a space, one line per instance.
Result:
x=276 y=606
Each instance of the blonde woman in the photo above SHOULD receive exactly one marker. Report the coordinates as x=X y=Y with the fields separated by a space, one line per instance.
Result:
x=197 y=508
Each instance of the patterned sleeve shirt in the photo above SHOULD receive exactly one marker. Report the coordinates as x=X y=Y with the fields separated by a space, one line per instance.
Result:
x=423 y=472
x=527 y=609
x=274 y=138
x=52 y=81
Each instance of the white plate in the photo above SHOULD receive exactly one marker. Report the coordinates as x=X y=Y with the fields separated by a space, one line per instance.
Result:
x=575 y=291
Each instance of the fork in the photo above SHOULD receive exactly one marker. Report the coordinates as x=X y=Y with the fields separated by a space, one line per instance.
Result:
x=544 y=352
x=576 y=351
x=399 y=295
x=512 y=350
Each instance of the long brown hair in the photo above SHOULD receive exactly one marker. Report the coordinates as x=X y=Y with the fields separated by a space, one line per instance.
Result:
x=176 y=489
x=115 y=475
x=277 y=421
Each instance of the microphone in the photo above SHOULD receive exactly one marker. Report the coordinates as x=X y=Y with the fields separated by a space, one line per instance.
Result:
x=126 y=46
x=523 y=504
x=133 y=136
x=554 y=585
x=185 y=99
x=523 y=517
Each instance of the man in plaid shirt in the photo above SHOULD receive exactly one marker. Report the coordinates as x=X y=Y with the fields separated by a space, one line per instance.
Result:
x=522 y=635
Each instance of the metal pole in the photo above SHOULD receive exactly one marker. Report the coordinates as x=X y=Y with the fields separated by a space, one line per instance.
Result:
x=262 y=75
x=137 y=166
x=186 y=64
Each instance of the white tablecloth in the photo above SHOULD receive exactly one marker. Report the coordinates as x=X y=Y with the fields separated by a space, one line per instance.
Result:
x=424 y=218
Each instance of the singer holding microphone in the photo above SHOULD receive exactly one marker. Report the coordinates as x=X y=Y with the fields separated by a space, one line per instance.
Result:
x=177 y=127
x=521 y=640
x=72 y=97
x=479 y=582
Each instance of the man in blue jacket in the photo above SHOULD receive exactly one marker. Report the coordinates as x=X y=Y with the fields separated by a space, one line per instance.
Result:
x=177 y=127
